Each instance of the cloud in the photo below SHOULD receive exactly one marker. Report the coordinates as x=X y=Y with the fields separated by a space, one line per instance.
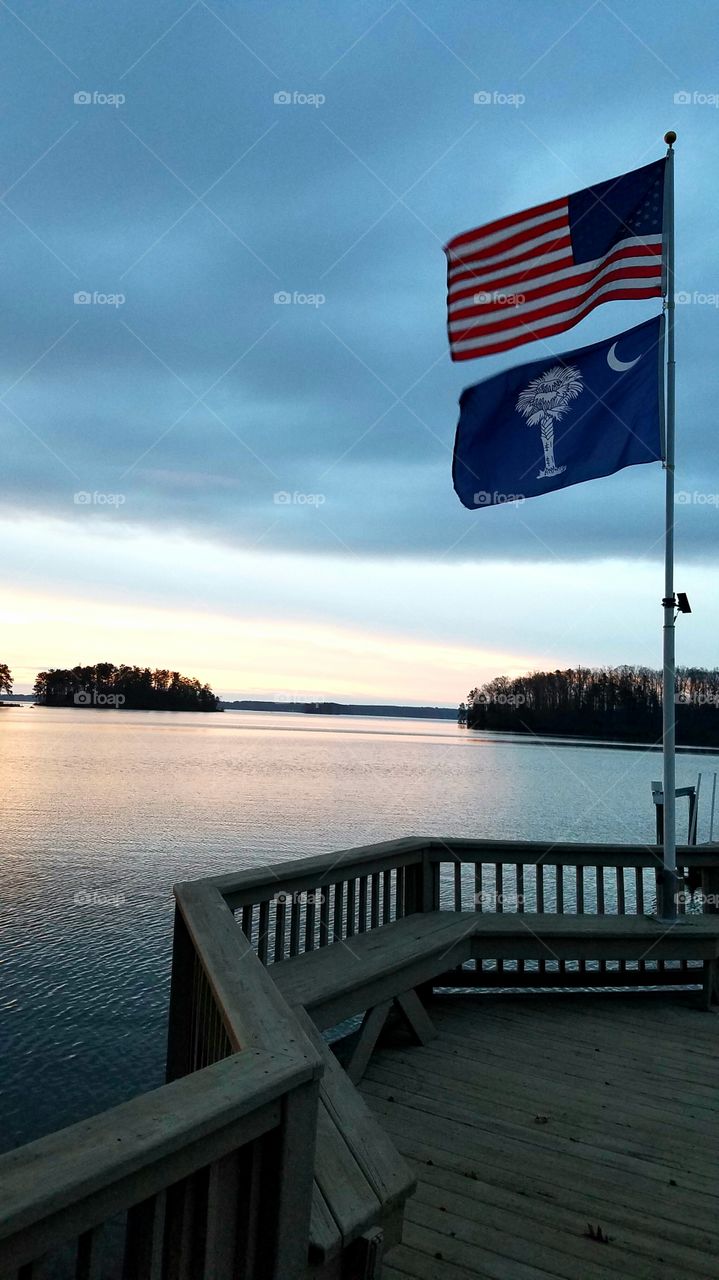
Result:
x=353 y=397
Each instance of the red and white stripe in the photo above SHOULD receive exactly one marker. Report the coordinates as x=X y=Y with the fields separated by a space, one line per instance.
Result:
x=515 y=280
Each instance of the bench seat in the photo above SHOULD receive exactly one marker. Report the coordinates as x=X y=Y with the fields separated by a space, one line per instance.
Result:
x=346 y=978
x=361 y=1181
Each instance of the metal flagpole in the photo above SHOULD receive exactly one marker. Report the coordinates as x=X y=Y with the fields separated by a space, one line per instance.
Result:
x=668 y=906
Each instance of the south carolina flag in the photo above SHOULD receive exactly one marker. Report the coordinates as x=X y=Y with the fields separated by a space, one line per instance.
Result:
x=563 y=419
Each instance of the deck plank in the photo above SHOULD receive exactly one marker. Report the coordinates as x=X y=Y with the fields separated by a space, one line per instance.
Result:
x=506 y=1195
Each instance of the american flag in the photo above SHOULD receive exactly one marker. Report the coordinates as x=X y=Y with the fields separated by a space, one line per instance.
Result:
x=539 y=272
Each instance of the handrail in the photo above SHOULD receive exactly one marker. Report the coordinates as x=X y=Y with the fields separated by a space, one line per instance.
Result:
x=253 y=1011
x=65 y=1186
x=223 y=1001
x=287 y=908
x=241 y=1071
x=245 y=886
x=239 y=888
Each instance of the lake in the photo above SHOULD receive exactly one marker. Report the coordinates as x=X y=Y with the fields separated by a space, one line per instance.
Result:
x=104 y=810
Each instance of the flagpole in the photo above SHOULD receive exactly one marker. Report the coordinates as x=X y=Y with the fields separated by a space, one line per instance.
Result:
x=668 y=906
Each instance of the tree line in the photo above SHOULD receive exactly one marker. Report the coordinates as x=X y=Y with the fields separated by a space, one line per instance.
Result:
x=131 y=688
x=624 y=703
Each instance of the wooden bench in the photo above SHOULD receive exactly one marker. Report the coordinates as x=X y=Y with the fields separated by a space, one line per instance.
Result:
x=370 y=972
x=361 y=1182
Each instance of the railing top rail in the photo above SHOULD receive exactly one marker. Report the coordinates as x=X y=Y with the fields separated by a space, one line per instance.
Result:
x=255 y=1014
x=452 y=848
x=80 y=1169
x=260 y=883
x=323 y=868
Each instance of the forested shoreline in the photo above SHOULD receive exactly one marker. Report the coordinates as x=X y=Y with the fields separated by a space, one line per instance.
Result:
x=123 y=687
x=623 y=703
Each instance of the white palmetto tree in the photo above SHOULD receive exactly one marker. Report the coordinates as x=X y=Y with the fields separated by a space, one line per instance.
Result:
x=544 y=402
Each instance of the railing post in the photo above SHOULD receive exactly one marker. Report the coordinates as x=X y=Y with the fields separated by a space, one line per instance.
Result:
x=430 y=882
x=421 y=881
x=179 y=1031
x=290 y=1190
x=710 y=890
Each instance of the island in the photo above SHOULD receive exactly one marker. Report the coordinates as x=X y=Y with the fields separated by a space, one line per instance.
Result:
x=619 y=703
x=123 y=688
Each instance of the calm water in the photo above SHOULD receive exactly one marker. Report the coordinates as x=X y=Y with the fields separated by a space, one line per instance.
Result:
x=103 y=811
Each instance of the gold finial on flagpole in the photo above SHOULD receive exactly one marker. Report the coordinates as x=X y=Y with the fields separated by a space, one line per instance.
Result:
x=670 y=137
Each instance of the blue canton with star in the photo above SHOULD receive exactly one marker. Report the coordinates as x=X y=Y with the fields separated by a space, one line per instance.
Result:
x=601 y=216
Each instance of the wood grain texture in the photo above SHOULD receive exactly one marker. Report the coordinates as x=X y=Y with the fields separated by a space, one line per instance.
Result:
x=555 y=1113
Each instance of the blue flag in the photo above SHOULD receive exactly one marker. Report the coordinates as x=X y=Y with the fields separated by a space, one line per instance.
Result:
x=562 y=420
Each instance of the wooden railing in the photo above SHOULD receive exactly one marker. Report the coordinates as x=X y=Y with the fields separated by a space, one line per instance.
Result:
x=211 y=1174
x=293 y=907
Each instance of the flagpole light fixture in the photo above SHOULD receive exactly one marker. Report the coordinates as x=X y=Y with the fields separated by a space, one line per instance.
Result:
x=680 y=602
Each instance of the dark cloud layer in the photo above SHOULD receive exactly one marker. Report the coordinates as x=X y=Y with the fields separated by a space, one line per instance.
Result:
x=200 y=397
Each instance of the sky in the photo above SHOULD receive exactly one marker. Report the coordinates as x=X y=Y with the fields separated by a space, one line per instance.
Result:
x=227 y=407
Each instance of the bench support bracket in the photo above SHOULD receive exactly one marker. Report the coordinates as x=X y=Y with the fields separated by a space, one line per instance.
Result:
x=414 y=1014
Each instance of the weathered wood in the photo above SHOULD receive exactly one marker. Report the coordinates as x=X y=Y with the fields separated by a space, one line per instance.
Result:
x=144 y=1239
x=249 y=886
x=326 y=868
x=254 y=1012
x=280 y=928
x=63 y=1185
x=89 y=1259
x=500 y=1193
x=290 y=1183
x=370 y=1031
x=375 y=902
x=180 y=1029
x=352 y=1201
x=374 y=966
x=398 y=957
x=571 y=980
x=338 y=924
x=223 y=1251
x=325 y=1236
x=416 y=1016
x=378 y=1158
x=263 y=932
x=324 y=917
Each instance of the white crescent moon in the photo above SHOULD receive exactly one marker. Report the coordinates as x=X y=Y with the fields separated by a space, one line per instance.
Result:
x=615 y=363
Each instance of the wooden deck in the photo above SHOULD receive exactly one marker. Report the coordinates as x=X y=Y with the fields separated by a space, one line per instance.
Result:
x=530 y=1120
